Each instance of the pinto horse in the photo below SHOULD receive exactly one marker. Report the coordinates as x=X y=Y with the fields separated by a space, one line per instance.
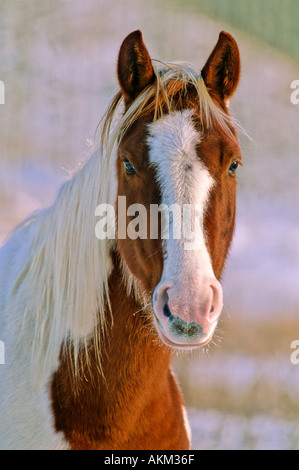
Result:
x=90 y=323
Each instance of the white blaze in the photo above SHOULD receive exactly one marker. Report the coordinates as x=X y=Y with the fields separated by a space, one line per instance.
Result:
x=183 y=179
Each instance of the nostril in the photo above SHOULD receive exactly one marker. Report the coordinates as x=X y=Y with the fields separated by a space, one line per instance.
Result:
x=166 y=311
x=178 y=326
x=160 y=298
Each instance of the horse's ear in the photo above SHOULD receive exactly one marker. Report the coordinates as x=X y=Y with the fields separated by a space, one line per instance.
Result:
x=135 y=70
x=222 y=70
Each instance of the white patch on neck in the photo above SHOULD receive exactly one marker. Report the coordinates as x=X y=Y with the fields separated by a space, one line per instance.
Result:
x=187 y=425
x=183 y=179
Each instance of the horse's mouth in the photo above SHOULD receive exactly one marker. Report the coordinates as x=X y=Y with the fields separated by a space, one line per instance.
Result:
x=184 y=344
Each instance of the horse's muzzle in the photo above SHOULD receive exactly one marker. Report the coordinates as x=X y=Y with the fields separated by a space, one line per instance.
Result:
x=187 y=324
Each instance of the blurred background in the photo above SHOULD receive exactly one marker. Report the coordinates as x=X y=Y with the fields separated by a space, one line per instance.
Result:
x=58 y=61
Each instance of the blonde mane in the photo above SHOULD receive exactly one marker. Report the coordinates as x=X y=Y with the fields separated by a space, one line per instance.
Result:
x=63 y=283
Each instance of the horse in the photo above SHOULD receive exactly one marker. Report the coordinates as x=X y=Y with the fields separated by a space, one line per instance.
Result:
x=90 y=323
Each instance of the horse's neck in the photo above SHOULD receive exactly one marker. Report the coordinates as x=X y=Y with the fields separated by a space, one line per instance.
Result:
x=132 y=346
x=136 y=374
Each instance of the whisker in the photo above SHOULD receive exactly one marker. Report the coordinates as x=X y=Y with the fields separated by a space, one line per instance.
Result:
x=141 y=309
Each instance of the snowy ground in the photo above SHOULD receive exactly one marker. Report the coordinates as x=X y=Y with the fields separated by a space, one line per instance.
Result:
x=213 y=430
x=58 y=65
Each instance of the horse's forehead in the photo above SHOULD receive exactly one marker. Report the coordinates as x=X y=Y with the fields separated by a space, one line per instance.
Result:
x=173 y=149
x=178 y=137
x=173 y=135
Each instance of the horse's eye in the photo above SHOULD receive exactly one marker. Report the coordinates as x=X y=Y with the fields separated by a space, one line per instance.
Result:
x=233 y=168
x=130 y=170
